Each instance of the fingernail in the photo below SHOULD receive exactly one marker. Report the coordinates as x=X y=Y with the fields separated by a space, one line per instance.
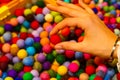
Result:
x=58 y=47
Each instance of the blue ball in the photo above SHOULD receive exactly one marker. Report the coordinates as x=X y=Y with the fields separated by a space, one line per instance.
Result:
x=113 y=12
x=39 y=17
x=28 y=61
x=95 y=10
x=113 y=1
x=26 y=24
x=78 y=55
x=4 y=75
x=31 y=51
x=18 y=78
x=29 y=41
x=7 y=36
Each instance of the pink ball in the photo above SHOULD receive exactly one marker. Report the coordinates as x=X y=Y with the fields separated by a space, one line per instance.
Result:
x=112 y=20
x=35 y=73
x=87 y=56
x=73 y=67
x=45 y=76
x=102 y=67
x=47 y=48
x=105 y=4
x=69 y=53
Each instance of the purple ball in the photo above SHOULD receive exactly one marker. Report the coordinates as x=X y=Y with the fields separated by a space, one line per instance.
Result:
x=15 y=60
x=37 y=39
x=41 y=57
x=45 y=10
x=20 y=19
x=20 y=43
x=9 y=56
x=67 y=63
x=8 y=27
x=12 y=73
x=46 y=65
x=36 y=78
x=21 y=74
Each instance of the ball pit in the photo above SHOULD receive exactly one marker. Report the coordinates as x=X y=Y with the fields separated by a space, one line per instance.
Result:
x=27 y=51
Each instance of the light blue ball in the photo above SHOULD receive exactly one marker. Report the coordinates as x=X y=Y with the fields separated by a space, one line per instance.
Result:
x=113 y=1
x=39 y=17
x=29 y=41
x=7 y=36
x=113 y=12
x=28 y=61
x=1 y=79
x=4 y=75
x=78 y=55
x=31 y=51
x=36 y=78
x=15 y=59
x=26 y=24
x=68 y=1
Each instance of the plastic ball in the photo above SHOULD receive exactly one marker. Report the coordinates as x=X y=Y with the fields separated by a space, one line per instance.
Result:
x=62 y=70
x=69 y=53
x=87 y=1
x=18 y=66
x=37 y=46
x=78 y=55
x=39 y=17
x=87 y=56
x=12 y=73
x=117 y=31
x=98 y=78
x=65 y=32
x=44 y=41
x=7 y=36
x=37 y=66
x=29 y=41
x=92 y=77
x=53 y=79
x=35 y=73
x=14 y=49
x=27 y=68
x=45 y=76
x=27 y=11
x=28 y=61
x=41 y=57
x=34 y=24
x=55 y=39
x=45 y=10
x=34 y=8
x=15 y=59
x=102 y=67
x=44 y=34
x=8 y=27
x=40 y=3
x=19 y=12
x=3 y=66
x=73 y=67
x=54 y=67
x=98 y=60
x=52 y=73
x=58 y=19
x=27 y=76
x=6 y=47
x=29 y=17
x=50 y=57
x=22 y=53
x=90 y=69
x=8 y=78
x=31 y=51
x=40 y=29
x=46 y=65
x=20 y=19
x=14 y=21
x=20 y=43
x=48 y=18
x=26 y=24
x=38 y=11
x=84 y=76
x=36 y=78
x=47 y=48
x=2 y=30
x=60 y=59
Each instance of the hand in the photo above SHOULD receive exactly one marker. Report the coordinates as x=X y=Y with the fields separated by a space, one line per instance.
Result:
x=98 y=39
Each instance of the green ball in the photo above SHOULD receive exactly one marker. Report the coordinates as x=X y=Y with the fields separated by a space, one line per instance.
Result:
x=60 y=59
x=23 y=29
x=111 y=8
x=58 y=18
x=52 y=73
x=58 y=77
x=54 y=13
x=17 y=28
x=106 y=8
x=18 y=66
x=27 y=76
x=92 y=77
x=79 y=72
x=83 y=34
x=50 y=57
x=27 y=11
x=54 y=53
x=107 y=14
x=37 y=46
x=40 y=3
x=1 y=30
x=37 y=66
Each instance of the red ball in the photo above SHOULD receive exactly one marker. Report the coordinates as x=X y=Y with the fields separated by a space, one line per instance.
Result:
x=98 y=78
x=55 y=39
x=27 y=68
x=14 y=40
x=1 y=46
x=78 y=32
x=19 y=12
x=69 y=53
x=65 y=31
x=4 y=1
x=106 y=20
x=23 y=35
x=74 y=1
x=90 y=69
x=98 y=60
x=30 y=35
x=38 y=11
x=3 y=66
x=118 y=76
x=4 y=59
x=34 y=24
x=118 y=26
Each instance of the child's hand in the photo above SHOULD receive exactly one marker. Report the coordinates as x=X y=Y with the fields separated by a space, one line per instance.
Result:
x=98 y=39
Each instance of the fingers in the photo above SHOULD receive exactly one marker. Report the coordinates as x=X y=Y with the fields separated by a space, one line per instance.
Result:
x=72 y=6
x=71 y=22
x=64 y=10
x=83 y=5
x=72 y=46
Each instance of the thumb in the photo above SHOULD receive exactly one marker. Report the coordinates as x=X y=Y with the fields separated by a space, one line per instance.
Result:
x=68 y=45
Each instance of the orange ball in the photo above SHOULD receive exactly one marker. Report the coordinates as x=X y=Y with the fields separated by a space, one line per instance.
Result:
x=54 y=67
x=46 y=24
x=80 y=39
x=14 y=21
x=84 y=76
x=6 y=47
x=43 y=34
x=87 y=1
x=44 y=41
x=91 y=5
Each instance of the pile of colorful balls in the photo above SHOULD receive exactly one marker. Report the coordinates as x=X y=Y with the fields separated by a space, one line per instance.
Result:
x=27 y=53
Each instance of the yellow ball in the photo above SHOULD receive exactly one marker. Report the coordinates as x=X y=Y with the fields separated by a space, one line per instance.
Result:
x=76 y=61
x=14 y=34
x=8 y=78
x=2 y=40
x=62 y=70
x=84 y=76
x=22 y=54
x=48 y=18
x=14 y=49
x=35 y=57
x=34 y=8
x=56 y=63
x=6 y=48
x=53 y=79
x=44 y=41
x=43 y=34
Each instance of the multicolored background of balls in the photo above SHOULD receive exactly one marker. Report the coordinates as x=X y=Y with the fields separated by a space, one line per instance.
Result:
x=26 y=49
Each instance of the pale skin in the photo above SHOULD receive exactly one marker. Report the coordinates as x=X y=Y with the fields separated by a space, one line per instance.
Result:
x=98 y=39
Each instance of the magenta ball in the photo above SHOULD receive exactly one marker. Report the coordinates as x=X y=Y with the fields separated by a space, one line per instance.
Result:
x=41 y=57
x=73 y=67
x=47 y=48
x=45 y=76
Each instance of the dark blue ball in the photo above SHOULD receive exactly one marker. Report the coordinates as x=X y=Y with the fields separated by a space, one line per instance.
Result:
x=95 y=10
